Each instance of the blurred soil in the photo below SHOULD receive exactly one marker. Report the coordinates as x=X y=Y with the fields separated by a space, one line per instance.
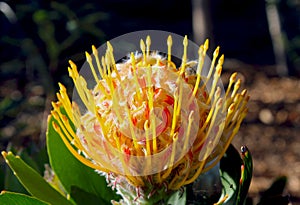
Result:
x=271 y=129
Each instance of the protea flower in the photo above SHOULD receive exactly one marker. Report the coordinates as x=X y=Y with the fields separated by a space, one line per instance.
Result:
x=149 y=125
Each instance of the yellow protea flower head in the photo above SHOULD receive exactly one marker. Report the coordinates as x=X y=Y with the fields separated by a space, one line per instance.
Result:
x=158 y=116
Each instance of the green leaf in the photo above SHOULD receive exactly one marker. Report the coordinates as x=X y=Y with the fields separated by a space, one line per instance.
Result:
x=29 y=161
x=230 y=173
x=33 y=182
x=35 y=157
x=11 y=182
x=227 y=184
x=246 y=175
x=41 y=158
x=72 y=172
x=82 y=197
x=2 y=176
x=10 y=198
x=206 y=189
x=178 y=198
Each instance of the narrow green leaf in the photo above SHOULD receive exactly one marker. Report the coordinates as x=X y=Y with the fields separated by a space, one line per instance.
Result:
x=33 y=182
x=29 y=161
x=246 y=174
x=10 y=198
x=41 y=158
x=230 y=173
x=206 y=189
x=11 y=182
x=2 y=176
x=82 y=197
x=72 y=172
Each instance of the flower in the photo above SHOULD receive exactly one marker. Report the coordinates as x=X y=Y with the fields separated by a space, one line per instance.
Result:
x=148 y=124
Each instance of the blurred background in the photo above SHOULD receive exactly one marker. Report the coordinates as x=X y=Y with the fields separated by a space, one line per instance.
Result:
x=260 y=40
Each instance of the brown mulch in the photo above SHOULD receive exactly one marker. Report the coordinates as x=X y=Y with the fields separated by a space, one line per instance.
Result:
x=271 y=129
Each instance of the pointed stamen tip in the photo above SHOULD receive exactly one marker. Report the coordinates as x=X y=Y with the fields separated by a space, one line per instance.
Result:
x=231 y=108
x=54 y=114
x=62 y=87
x=142 y=45
x=185 y=41
x=221 y=59
x=72 y=64
x=3 y=192
x=206 y=44
x=219 y=70
x=148 y=40
x=132 y=55
x=88 y=57
x=109 y=46
x=95 y=51
x=244 y=92
x=55 y=126
x=200 y=50
x=233 y=77
x=4 y=154
x=216 y=52
x=54 y=104
x=238 y=83
x=169 y=41
x=70 y=71
x=48 y=118
x=237 y=97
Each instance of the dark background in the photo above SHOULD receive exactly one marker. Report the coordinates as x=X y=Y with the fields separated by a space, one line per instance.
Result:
x=37 y=38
